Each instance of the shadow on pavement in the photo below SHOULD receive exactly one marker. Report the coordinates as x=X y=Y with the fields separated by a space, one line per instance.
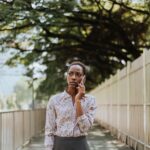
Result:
x=100 y=139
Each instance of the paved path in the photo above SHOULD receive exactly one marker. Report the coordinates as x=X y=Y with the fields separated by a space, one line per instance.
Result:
x=98 y=139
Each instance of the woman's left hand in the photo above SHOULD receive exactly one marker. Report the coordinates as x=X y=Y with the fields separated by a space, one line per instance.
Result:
x=81 y=90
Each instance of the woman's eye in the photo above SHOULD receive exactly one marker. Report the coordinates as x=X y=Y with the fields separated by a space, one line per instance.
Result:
x=70 y=73
x=78 y=74
x=74 y=73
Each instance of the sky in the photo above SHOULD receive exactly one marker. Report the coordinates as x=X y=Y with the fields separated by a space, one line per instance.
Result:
x=9 y=76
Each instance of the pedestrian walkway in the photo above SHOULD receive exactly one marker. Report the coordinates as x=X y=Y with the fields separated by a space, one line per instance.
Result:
x=98 y=139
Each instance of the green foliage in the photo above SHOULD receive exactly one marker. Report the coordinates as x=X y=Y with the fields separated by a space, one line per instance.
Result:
x=102 y=34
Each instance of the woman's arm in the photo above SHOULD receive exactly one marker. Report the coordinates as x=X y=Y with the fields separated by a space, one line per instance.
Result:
x=50 y=125
x=85 y=120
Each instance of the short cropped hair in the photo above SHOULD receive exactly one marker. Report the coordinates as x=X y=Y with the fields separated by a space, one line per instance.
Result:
x=80 y=64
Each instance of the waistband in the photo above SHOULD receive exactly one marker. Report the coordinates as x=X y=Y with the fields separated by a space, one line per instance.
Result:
x=69 y=138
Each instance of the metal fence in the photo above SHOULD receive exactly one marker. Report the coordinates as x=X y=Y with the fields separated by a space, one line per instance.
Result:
x=124 y=103
x=18 y=127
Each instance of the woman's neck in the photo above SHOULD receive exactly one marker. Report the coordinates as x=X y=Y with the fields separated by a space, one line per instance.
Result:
x=72 y=91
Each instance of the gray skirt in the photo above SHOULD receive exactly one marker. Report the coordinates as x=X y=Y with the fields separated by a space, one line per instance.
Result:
x=70 y=143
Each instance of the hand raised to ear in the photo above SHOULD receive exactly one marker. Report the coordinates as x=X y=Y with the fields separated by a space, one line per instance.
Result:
x=81 y=90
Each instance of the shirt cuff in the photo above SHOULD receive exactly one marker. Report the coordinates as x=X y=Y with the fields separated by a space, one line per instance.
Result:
x=49 y=142
x=81 y=118
x=49 y=147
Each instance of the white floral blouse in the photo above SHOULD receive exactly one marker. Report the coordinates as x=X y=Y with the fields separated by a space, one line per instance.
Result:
x=61 y=117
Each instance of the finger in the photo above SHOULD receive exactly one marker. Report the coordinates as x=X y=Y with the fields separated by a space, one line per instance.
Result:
x=81 y=85
x=77 y=88
x=83 y=79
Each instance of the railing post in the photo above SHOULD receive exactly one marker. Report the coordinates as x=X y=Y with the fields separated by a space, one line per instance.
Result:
x=13 y=131
x=30 y=123
x=145 y=99
x=118 y=104
x=111 y=91
x=23 y=128
x=0 y=130
x=128 y=96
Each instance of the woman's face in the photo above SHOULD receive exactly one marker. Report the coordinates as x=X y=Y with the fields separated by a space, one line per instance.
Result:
x=74 y=75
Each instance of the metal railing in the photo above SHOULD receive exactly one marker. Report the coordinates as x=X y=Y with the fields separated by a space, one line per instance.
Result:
x=18 y=127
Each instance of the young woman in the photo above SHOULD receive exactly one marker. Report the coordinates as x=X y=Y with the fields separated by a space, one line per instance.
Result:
x=70 y=114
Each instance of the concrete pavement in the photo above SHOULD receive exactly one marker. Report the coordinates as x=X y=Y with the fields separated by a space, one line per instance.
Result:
x=98 y=139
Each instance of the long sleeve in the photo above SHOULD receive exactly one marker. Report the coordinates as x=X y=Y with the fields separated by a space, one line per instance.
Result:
x=86 y=120
x=50 y=125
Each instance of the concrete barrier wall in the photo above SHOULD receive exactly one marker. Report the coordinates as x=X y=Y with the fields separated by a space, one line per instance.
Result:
x=124 y=103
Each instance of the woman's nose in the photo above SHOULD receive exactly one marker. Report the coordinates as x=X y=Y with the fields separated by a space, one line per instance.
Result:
x=74 y=76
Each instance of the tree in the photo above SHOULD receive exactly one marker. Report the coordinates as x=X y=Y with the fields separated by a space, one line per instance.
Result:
x=103 y=34
x=23 y=93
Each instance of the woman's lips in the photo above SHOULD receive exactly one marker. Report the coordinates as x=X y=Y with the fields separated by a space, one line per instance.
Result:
x=73 y=83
